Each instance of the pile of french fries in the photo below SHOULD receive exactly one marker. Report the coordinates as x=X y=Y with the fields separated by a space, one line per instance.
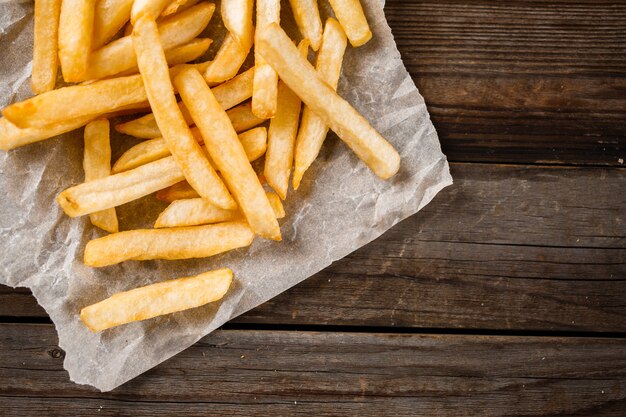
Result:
x=120 y=57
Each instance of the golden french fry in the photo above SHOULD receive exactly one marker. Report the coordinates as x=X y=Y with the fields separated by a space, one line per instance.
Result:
x=242 y=118
x=75 y=34
x=229 y=94
x=337 y=113
x=253 y=141
x=282 y=135
x=97 y=164
x=198 y=211
x=157 y=299
x=179 y=55
x=237 y=16
x=119 y=55
x=178 y=191
x=177 y=6
x=188 y=52
x=352 y=18
x=265 y=90
x=185 y=149
x=118 y=189
x=12 y=136
x=110 y=17
x=148 y=9
x=227 y=152
x=78 y=101
x=307 y=17
x=171 y=244
x=46 y=48
x=313 y=130
x=227 y=62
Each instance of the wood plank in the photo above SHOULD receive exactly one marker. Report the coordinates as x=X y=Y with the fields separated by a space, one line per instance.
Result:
x=519 y=81
x=507 y=247
x=303 y=373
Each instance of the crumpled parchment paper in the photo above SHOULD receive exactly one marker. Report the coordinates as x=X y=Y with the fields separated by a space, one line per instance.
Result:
x=340 y=207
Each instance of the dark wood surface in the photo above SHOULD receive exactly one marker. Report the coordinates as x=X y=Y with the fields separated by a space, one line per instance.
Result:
x=506 y=296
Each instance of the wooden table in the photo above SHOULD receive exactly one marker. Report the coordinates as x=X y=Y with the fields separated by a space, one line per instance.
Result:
x=506 y=296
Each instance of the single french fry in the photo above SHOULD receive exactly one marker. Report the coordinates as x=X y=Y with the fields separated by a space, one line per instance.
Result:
x=237 y=16
x=46 y=48
x=97 y=164
x=171 y=244
x=227 y=153
x=12 y=137
x=307 y=17
x=198 y=211
x=148 y=9
x=313 y=130
x=67 y=103
x=265 y=90
x=179 y=55
x=337 y=113
x=254 y=143
x=282 y=135
x=110 y=17
x=242 y=118
x=352 y=18
x=119 y=55
x=228 y=61
x=177 y=6
x=157 y=299
x=229 y=94
x=75 y=34
x=185 y=149
x=178 y=191
x=118 y=189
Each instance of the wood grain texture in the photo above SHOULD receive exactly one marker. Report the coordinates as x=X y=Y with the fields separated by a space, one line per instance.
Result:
x=243 y=373
x=525 y=81
x=506 y=247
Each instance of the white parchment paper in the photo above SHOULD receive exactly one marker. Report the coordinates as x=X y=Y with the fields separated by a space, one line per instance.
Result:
x=340 y=207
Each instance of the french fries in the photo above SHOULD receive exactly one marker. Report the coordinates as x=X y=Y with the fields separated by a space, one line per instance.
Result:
x=177 y=6
x=148 y=9
x=228 y=60
x=313 y=130
x=110 y=17
x=77 y=101
x=118 y=189
x=278 y=50
x=237 y=16
x=352 y=18
x=185 y=149
x=46 y=47
x=12 y=137
x=157 y=299
x=198 y=211
x=254 y=143
x=97 y=164
x=119 y=55
x=307 y=17
x=178 y=191
x=227 y=153
x=265 y=91
x=242 y=118
x=229 y=94
x=171 y=244
x=75 y=33
x=199 y=152
x=282 y=136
